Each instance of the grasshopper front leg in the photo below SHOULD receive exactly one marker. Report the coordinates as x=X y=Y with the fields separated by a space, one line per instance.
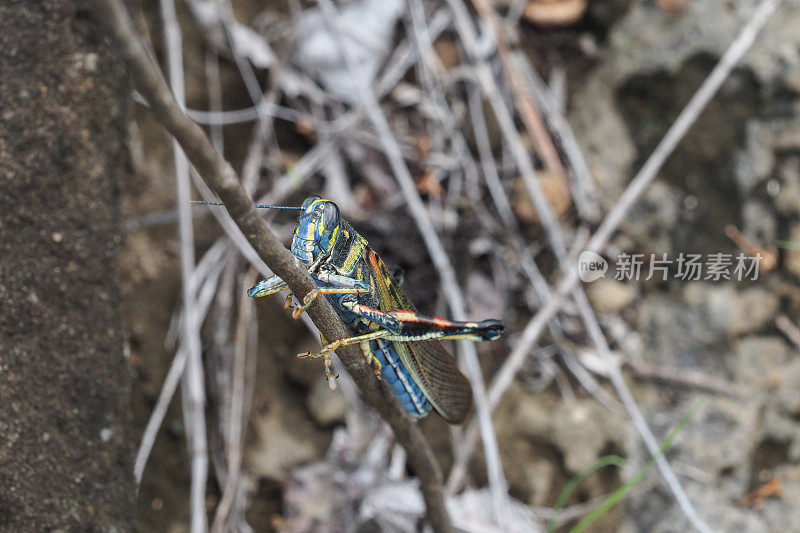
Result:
x=265 y=287
x=274 y=284
x=342 y=285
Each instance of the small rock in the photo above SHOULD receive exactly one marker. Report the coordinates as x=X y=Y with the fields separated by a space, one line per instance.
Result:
x=447 y=50
x=653 y=220
x=540 y=475
x=284 y=439
x=757 y=358
x=734 y=312
x=610 y=296
x=788 y=393
x=759 y=223
x=754 y=163
x=556 y=191
x=787 y=201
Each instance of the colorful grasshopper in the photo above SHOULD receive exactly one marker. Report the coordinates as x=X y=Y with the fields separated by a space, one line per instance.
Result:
x=393 y=336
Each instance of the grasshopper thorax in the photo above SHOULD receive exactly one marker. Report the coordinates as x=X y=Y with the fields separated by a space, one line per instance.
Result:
x=316 y=231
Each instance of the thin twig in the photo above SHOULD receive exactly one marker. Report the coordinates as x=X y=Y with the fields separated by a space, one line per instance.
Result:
x=178 y=364
x=789 y=329
x=245 y=329
x=680 y=377
x=223 y=180
x=193 y=382
x=215 y=100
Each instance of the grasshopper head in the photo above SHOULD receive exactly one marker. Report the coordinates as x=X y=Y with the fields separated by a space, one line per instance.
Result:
x=315 y=233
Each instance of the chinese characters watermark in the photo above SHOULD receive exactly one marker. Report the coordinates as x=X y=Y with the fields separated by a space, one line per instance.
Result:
x=685 y=267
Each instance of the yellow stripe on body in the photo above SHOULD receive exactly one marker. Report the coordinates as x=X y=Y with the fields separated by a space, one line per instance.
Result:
x=353 y=255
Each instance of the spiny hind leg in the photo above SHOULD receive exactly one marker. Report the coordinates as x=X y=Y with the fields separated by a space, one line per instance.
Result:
x=369 y=355
x=329 y=375
x=412 y=326
x=335 y=345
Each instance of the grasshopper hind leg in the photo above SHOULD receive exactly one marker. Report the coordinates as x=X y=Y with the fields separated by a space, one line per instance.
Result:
x=371 y=359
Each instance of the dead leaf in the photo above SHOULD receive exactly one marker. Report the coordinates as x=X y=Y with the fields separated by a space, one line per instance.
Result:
x=555 y=12
x=674 y=8
x=769 y=256
x=429 y=184
x=756 y=498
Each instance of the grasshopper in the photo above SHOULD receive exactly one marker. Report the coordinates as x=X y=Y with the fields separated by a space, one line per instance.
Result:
x=400 y=343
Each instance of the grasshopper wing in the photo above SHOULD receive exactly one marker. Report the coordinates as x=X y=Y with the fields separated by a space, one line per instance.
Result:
x=436 y=373
x=429 y=364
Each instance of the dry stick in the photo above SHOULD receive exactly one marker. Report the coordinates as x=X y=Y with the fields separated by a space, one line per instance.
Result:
x=788 y=328
x=640 y=182
x=248 y=114
x=225 y=183
x=215 y=101
x=193 y=383
x=224 y=293
x=232 y=409
x=244 y=328
x=219 y=365
x=440 y=261
x=203 y=300
x=691 y=379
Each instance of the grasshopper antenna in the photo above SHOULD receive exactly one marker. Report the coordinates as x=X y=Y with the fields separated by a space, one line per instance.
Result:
x=260 y=206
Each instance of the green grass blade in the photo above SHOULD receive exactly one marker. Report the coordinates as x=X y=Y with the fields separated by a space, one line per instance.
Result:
x=620 y=493
x=608 y=460
x=789 y=245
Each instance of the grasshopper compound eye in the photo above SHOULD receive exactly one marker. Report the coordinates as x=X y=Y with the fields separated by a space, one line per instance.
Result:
x=330 y=216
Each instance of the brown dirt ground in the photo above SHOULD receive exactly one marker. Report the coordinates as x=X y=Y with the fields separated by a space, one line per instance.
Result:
x=65 y=461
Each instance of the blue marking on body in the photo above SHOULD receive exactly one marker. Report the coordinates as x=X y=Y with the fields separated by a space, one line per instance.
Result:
x=393 y=371
x=395 y=375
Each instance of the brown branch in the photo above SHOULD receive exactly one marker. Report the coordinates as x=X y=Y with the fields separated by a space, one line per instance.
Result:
x=220 y=176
